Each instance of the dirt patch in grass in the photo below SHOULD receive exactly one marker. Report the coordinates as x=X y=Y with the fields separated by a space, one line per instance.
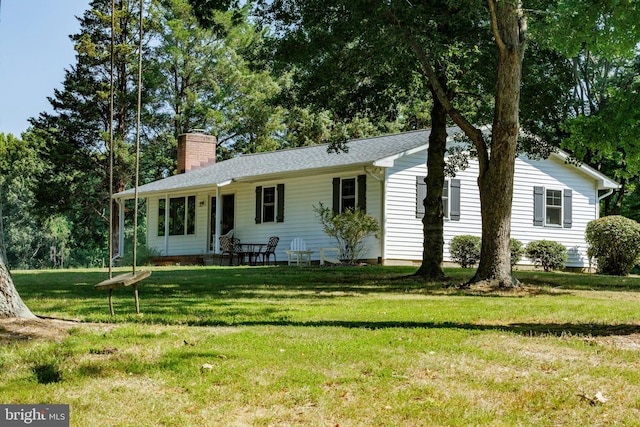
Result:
x=623 y=342
x=18 y=329
x=522 y=290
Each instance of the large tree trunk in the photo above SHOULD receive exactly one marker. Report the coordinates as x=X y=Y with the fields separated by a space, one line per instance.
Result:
x=497 y=171
x=11 y=305
x=497 y=163
x=433 y=222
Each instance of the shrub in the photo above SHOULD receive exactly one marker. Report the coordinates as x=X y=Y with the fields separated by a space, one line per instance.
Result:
x=144 y=254
x=614 y=241
x=549 y=254
x=517 y=250
x=349 y=228
x=465 y=250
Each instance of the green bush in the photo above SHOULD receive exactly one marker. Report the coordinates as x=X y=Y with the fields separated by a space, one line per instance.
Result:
x=547 y=253
x=517 y=250
x=144 y=254
x=465 y=250
x=614 y=241
x=349 y=228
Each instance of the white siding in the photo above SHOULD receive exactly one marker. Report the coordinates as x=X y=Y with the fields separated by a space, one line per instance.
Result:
x=403 y=237
x=554 y=174
x=300 y=195
x=193 y=244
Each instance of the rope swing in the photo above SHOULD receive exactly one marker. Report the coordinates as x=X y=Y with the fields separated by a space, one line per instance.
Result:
x=134 y=277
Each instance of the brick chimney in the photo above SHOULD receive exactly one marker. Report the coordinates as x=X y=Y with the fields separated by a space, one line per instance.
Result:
x=195 y=150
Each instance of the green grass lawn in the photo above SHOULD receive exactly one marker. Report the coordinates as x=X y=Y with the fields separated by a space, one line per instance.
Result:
x=370 y=346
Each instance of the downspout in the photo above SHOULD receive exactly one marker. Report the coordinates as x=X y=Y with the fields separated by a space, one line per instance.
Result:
x=383 y=213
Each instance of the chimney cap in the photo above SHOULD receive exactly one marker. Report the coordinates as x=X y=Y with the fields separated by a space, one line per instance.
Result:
x=196 y=131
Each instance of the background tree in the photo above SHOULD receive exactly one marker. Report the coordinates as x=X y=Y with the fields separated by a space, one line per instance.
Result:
x=204 y=82
x=75 y=137
x=26 y=237
x=601 y=39
x=602 y=131
x=11 y=305
x=192 y=78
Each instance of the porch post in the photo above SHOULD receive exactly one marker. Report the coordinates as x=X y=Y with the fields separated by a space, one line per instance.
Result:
x=218 y=219
x=166 y=225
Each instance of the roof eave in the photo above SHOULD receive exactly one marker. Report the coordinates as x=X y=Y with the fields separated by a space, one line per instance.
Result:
x=603 y=181
x=389 y=161
x=128 y=195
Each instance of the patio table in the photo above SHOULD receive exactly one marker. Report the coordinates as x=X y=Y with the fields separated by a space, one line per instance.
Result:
x=252 y=250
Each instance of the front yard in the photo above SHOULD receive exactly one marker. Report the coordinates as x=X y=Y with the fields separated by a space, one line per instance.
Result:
x=327 y=346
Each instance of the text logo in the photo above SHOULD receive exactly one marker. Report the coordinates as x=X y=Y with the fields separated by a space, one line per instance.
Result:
x=34 y=415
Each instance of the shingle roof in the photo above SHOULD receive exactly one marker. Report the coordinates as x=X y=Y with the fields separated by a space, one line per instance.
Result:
x=361 y=152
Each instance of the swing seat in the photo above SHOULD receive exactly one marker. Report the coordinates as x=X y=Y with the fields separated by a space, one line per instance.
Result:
x=121 y=280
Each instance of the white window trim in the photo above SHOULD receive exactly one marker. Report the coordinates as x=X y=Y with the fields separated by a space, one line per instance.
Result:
x=275 y=204
x=355 y=192
x=561 y=208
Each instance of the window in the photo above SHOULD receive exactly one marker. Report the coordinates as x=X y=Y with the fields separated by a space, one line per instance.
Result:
x=552 y=207
x=349 y=193
x=181 y=216
x=450 y=198
x=270 y=204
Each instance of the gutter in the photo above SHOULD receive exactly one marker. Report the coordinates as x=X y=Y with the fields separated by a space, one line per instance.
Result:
x=601 y=198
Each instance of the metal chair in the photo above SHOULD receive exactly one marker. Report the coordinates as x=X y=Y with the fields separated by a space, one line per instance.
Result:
x=270 y=250
x=230 y=245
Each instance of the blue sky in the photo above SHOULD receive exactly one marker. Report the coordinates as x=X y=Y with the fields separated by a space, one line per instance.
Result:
x=34 y=52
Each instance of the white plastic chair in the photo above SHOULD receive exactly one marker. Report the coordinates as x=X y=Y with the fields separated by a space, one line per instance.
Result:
x=298 y=254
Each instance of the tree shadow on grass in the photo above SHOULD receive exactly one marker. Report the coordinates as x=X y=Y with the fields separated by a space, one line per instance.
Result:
x=226 y=296
x=526 y=329
x=255 y=283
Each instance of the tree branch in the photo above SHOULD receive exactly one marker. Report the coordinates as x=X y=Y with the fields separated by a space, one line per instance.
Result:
x=474 y=134
x=494 y=25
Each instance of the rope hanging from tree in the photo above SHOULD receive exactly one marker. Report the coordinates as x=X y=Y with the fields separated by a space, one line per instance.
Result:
x=134 y=277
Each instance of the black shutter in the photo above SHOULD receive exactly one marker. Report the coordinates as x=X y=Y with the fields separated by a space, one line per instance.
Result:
x=421 y=194
x=280 y=211
x=336 y=195
x=567 y=208
x=362 y=193
x=538 y=206
x=258 y=205
x=454 y=200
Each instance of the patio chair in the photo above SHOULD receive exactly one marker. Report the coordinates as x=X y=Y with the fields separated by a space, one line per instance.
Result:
x=237 y=249
x=231 y=246
x=298 y=254
x=270 y=250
